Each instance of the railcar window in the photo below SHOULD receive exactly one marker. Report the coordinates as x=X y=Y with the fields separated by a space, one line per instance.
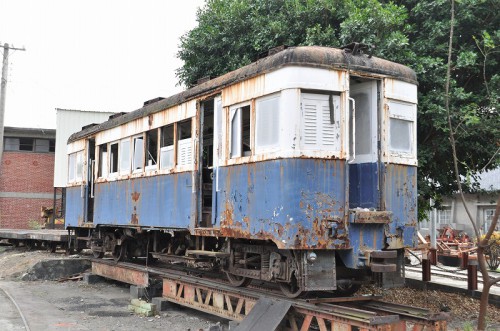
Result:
x=113 y=167
x=401 y=127
x=125 y=156
x=184 y=152
x=103 y=160
x=400 y=135
x=79 y=166
x=240 y=132
x=318 y=132
x=167 y=147
x=151 y=149
x=71 y=167
x=267 y=122
x=138 y=153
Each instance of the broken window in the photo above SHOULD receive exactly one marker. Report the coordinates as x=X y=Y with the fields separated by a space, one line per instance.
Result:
x=138 y=153
x=240 y=132
x=184 y=150
x=267 y=122
x=125 y=156
x=103 y=161
x=26 y=144
x=113 y=158
x=151 y=149
x=167 y=147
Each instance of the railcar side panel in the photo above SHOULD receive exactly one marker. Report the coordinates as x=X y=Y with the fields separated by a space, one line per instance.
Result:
x=157 y=201
x=74 y=211
x=296 y=203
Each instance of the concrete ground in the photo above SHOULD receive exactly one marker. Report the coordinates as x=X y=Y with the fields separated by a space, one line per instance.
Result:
x=49 y=305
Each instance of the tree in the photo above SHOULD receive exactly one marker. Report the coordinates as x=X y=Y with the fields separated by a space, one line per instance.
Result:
x=232 y=33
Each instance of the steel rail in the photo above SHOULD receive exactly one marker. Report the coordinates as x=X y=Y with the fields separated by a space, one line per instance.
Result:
x=217 y=297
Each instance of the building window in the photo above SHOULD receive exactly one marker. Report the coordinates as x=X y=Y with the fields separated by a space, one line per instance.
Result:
x=113 y=158
x=488 y=218
x=42 y=145
x=138 y=153
x=151 y=149
x=240 y=132
x=167 y=147
x=30 y=145
x=184 y=150
x=267 y=122
x=444 y=216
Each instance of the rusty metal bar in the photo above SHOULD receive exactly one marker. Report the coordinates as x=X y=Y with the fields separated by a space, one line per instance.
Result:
x=222 y=300
x=426 y=270
x=133 y=276
x=472 y=275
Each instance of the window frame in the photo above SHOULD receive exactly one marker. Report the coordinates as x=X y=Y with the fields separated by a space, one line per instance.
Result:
x=236 y=111
x=259 y=149
x=134 y=157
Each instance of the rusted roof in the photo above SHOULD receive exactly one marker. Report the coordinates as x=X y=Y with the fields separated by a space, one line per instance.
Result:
x=309 y=56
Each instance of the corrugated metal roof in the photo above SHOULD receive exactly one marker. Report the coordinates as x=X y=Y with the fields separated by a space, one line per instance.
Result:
x=309 y=56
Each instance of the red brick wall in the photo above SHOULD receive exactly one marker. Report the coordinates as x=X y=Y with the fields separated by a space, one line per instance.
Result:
x=25 y=173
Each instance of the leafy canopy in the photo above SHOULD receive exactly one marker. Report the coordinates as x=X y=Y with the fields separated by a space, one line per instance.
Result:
x=231 y=34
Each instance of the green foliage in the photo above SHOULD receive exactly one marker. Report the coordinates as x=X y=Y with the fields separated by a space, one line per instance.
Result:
x=232 y=33
x=34 y=225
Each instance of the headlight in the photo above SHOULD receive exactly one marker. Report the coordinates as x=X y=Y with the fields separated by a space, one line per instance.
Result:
x=311 y=256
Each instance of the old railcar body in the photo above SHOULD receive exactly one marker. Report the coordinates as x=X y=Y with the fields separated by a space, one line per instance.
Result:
x=299 y=168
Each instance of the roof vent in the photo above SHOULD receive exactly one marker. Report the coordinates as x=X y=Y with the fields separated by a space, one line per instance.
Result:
x=202 y=80
x=153 y=101
x=115 y=115
x=89 y=126
x=272 y=51
x=358 y=49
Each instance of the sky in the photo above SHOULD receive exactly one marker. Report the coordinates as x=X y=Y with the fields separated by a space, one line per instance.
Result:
x=98 y=55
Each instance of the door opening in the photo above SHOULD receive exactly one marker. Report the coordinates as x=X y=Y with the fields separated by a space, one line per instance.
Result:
x=206 y=162
x=89 y=188
x=364 y=182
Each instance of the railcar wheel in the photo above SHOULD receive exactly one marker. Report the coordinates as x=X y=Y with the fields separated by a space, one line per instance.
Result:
x=120 y=252
x=291 y=289
x=346 y=288
x=97 y=254
x=238 y=281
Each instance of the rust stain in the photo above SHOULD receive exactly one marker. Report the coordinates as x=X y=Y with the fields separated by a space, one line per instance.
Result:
x=134 y=219
x=135 y=196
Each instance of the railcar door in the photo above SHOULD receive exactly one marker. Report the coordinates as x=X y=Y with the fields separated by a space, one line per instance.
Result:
x=207 y=163
x=88 y=197
x=364 y=169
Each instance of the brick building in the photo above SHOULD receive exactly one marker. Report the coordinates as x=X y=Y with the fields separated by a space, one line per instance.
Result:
x=26 y=176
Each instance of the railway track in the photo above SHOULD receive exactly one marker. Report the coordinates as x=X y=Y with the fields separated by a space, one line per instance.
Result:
x=261 y=305
x=17 y=321
x=451 y=273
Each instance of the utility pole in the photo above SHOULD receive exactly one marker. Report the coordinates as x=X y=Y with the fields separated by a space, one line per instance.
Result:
x=3 y=90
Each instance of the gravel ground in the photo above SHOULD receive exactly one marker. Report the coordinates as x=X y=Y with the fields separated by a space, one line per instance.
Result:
x=103 y=306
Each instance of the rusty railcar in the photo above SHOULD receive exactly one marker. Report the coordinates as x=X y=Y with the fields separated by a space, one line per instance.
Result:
x=299 y=169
